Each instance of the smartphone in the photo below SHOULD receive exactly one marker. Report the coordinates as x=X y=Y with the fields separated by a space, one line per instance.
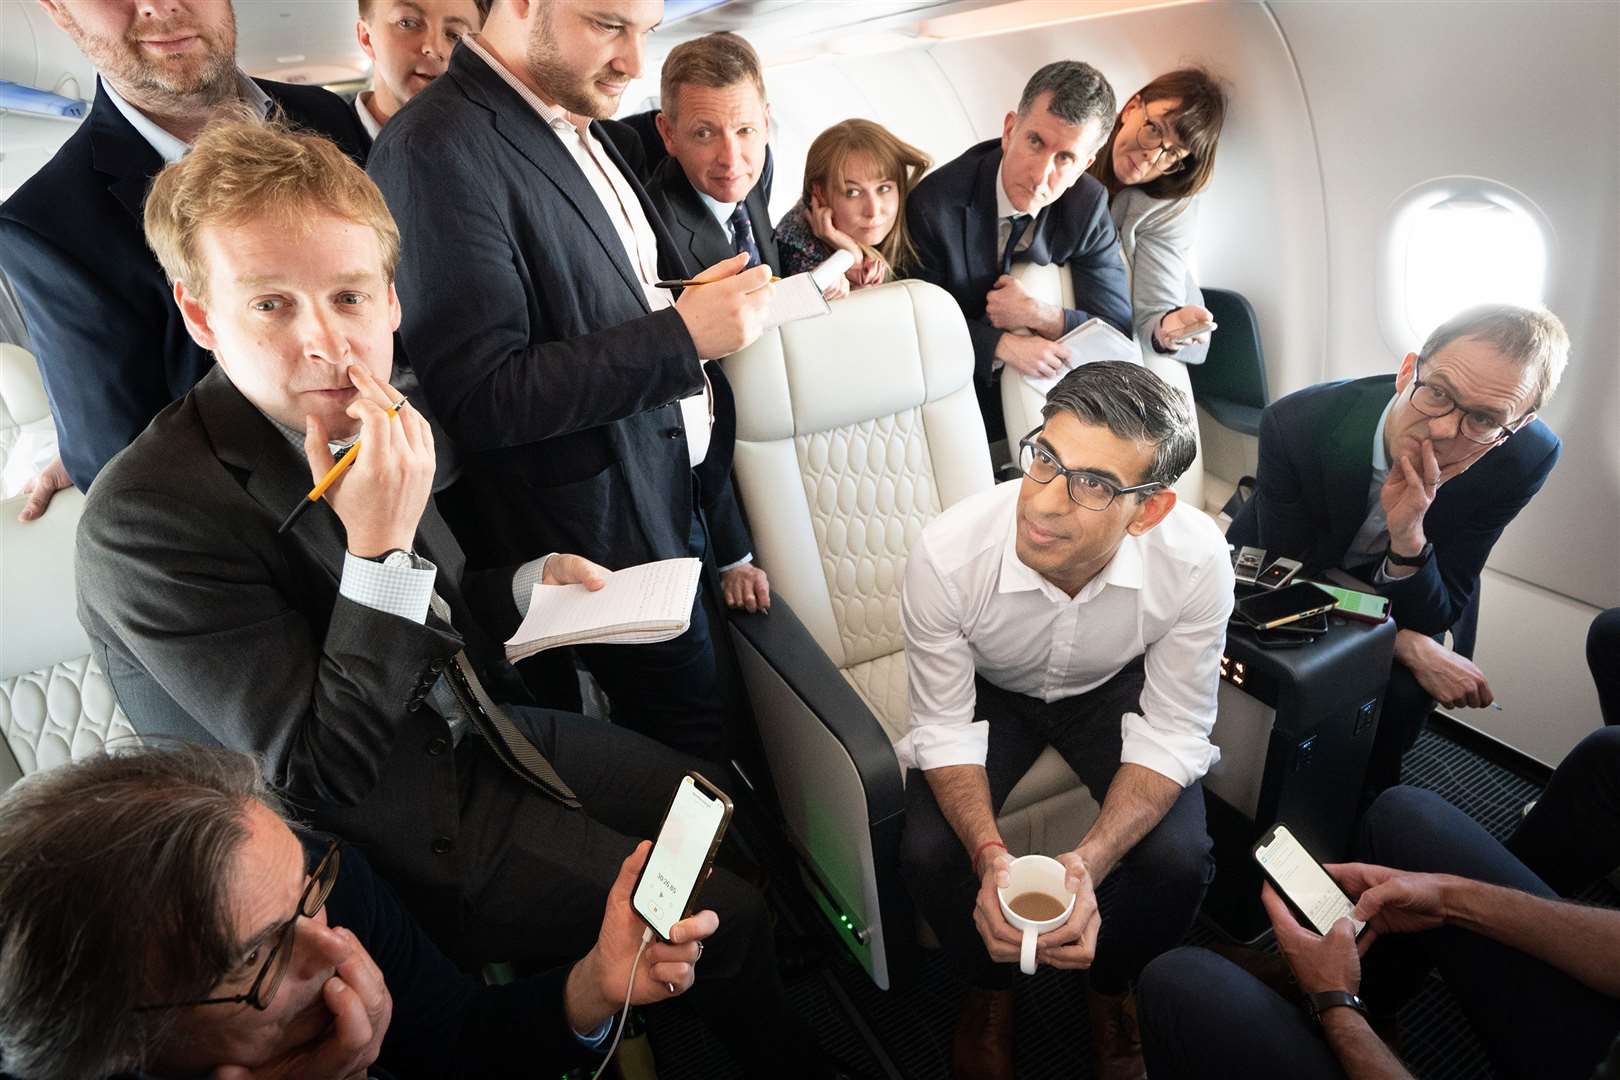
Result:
x=1367 y=607
x=1279 y=573
x=1310 y=626
x=682 y=854
x=1287 y=604
x=1315 y=897
x=1247 y=567
x=1187 y=333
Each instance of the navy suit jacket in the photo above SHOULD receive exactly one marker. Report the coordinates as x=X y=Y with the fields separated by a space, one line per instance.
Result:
x=110 y=342
x=953 y=222
x=1311 y=497
x=531 y=334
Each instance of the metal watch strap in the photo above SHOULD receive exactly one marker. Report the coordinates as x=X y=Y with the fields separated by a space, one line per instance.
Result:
x=1333 y=999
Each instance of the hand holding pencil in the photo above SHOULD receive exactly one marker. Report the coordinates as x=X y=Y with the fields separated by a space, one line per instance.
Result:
x=380 y=497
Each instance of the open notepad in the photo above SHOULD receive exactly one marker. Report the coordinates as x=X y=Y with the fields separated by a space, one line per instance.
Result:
x=1091 y=341
x=638 y=605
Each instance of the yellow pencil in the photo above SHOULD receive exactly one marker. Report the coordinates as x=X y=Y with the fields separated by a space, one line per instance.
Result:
x=345 y=458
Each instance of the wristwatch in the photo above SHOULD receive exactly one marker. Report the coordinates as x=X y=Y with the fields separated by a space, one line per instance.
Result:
x=395 y=559
x=1332 y=999
x=1409 y=560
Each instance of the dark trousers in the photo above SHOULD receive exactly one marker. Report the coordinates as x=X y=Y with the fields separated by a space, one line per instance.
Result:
x=671 y=690
x=1603 y=657
x=1202 y=1016
x=1406 y=708
x=1572 y=837
x=537 y=877
x=1148 y=901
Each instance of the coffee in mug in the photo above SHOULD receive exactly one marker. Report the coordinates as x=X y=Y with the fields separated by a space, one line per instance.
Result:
x=1035 y=899
x=1037 y=906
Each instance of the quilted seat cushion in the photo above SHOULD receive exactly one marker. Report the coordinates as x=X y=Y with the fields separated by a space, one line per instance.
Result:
x=59 y=714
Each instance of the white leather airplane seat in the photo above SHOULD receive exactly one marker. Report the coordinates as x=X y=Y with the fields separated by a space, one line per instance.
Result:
x=25 y=418
x=55 y=703
x=854 y=431
x=1021 y=405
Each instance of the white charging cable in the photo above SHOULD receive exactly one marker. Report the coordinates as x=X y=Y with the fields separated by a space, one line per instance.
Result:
x=624 y=1014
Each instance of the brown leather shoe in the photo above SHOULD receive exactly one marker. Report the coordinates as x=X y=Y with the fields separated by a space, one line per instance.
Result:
x=982 y=1048
x=1116 y=1039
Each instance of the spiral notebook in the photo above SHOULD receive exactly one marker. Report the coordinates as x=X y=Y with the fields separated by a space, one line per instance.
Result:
x=638 y=605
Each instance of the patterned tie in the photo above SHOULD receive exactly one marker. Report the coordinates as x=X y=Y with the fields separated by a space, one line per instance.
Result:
x=1018 y=225
x=742 y=235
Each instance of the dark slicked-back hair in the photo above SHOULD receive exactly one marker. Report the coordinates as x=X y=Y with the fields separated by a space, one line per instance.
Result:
x=1135 y=404
x=1079 y=93
x=114 y=874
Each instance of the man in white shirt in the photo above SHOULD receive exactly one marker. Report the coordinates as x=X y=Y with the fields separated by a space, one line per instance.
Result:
x=1083 y=609
x=409 y=43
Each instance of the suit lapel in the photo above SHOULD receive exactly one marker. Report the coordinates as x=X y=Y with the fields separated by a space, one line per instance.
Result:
x=764 y=233
x=276 y=473
x=1347 y=462
x=533 y=138
x=979 y=225
x=119 y=153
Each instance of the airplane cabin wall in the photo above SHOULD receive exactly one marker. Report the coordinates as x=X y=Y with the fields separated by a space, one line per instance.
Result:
x=1336 y=110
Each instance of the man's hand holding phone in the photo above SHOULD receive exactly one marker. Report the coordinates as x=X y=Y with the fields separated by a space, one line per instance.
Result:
x=1319 y=962
x=596 y=985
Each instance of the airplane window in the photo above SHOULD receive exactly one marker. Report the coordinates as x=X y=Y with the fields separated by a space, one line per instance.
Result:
x=1456 y=242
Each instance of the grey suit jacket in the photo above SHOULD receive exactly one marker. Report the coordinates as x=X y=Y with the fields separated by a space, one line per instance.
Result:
x=213 y=628
x=1156 y=237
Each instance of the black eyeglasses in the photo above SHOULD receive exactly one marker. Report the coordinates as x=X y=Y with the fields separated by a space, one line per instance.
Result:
x=263 y=990
x=1087 y=489
x=1434 y=402
x=1150 y=136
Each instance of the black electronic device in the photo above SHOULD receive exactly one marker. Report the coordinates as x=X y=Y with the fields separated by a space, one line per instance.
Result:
x=1287 y=604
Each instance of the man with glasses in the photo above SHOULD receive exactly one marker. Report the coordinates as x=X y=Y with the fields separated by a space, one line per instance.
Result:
x=158 y=914
x=1080 y=608
x=1025 y=197
x=1405 y=482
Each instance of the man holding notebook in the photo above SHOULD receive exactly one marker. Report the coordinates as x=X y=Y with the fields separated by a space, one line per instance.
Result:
x=348 y=653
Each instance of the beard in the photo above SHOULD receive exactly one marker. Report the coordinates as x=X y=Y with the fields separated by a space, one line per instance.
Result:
x=193 y=79
x=572 y=90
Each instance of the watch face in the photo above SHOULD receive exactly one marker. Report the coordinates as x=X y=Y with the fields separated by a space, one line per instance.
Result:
x=399 y=560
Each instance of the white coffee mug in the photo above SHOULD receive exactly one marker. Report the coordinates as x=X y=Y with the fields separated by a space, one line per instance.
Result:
x=1035 y=874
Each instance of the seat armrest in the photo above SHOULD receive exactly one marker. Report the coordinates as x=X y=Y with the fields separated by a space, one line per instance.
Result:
x=792 y=652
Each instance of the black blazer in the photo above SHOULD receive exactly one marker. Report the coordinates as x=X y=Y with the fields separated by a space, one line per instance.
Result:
x=187 y=591
x=531 y=334
x=702 y=240
x=110 y=342
x=953 y=222
x=1310 y=497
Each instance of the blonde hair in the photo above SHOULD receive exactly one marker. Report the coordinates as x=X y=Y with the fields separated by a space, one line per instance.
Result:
x=245 y=169
x=895 y=158
x=715 y=61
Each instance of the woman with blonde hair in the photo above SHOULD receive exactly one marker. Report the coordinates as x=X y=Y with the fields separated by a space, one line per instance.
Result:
x=1159 y=156
x=857 y=176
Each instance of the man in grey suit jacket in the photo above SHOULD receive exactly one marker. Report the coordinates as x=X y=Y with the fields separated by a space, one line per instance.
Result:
x=572 y=387
x=347 y=652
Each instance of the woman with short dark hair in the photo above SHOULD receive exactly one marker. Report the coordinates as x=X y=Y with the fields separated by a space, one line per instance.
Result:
x=1159 y=156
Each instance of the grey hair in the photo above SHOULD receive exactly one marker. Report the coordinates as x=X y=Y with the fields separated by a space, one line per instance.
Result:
x=1135 y=404
x=114 y=875
x=1533 y=337
x=1079 y=93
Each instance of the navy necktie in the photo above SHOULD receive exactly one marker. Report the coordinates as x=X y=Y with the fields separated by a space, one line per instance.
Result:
x=1019 y=225
x=742 y=235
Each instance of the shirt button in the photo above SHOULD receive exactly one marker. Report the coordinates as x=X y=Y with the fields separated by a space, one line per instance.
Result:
x=438 y=746
x=442 y=845
x=674 y=433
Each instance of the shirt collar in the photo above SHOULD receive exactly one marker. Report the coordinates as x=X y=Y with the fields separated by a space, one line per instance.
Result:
x=1124 y=569
x=722 y=211
x=168 y=147
x=1004 y=207
x=1380 y=456
x=555 y=115
x=362 y=107
x=296 y=437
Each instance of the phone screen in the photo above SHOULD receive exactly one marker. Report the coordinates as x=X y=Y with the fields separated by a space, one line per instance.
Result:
x=1303 y=881
x=1290 y=600
x=678 y=856
x=1359 y=603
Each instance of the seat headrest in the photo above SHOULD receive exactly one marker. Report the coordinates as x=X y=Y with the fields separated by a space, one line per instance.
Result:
x=816 y=374
x=40 y=615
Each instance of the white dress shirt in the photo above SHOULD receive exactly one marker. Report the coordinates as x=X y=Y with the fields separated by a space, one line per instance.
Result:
x=170 y=148
x=362 y=108
x=630 y=222
x=970 y=606
x=1005 y=212
x=1372 y=539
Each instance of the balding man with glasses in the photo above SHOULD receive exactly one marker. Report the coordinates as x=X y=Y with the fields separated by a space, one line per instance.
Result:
x=159 y=915
x=1406 y=482
x=1084 y=609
